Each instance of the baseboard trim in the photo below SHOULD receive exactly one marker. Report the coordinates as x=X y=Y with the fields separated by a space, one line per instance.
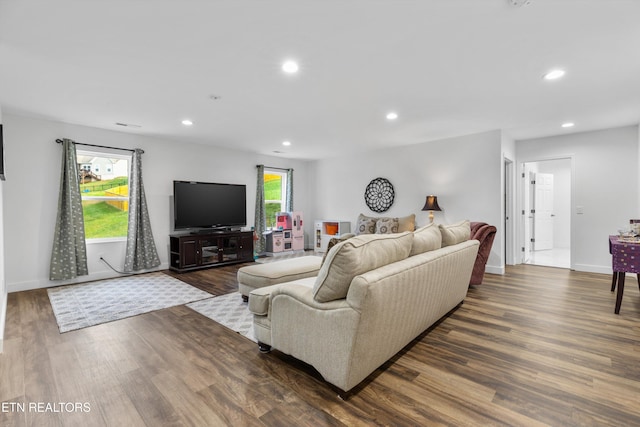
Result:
x=43 y=284
x=492 y=269
x=588 y=268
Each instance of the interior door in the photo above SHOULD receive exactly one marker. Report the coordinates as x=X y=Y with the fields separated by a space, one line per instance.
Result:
x=527 y=216
x=543 y=212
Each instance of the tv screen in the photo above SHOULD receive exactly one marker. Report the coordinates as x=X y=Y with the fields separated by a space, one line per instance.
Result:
x=209 y=205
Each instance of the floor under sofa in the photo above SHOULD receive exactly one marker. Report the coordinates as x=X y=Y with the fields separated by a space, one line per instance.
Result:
x=538 y=344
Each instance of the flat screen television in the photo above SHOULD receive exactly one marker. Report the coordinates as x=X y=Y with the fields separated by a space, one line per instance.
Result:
x=206 y=205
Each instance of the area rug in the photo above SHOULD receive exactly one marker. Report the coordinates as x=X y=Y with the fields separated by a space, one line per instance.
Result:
x=228 y=310
x=89 y=304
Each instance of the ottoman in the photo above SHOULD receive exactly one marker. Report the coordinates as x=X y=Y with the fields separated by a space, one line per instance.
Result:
x=259 y=275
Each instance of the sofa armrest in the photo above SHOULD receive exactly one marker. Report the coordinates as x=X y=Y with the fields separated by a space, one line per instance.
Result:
x=300 y=290
x=304 y=295
x=485 y=234
x=260 y=298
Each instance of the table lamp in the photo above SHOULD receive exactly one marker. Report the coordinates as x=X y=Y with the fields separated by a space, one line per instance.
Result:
x=431 y=205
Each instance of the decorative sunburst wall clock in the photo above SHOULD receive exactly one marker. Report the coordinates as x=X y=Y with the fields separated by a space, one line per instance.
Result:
x=379 y=195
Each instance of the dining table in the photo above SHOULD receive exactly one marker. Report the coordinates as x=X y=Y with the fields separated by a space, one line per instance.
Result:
x=625 y=258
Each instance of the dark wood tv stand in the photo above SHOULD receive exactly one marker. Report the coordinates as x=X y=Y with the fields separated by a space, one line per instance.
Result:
x=205 y=249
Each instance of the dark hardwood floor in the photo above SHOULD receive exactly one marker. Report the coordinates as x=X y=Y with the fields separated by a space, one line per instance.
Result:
x=537 y=346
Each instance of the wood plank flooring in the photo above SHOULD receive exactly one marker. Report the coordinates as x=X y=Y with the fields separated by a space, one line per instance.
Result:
x=537 y=346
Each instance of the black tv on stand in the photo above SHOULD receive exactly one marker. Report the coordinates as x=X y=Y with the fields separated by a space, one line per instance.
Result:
x=208 y=206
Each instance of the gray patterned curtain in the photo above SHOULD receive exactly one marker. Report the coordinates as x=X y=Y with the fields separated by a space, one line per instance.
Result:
x=289 y=198
x=261 y=215
x=69 y=254
x=141 y=249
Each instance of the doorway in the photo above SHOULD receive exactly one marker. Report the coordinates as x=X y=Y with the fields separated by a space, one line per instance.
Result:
x=509 y=212
x=547 y=209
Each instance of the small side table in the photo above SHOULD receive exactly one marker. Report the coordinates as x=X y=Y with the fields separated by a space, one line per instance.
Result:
x=625 y=258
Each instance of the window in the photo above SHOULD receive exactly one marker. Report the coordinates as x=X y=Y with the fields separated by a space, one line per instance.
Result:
x=105 y=197
x=275 y=193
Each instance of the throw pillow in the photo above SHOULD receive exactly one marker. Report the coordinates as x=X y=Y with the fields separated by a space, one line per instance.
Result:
x=366 y=225
x=455 y=233
x=355 y=256
x=387 y=225
x=407 y=223
x=427 y=238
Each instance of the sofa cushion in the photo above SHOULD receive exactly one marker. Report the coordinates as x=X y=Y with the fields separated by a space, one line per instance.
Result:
x=356 y=256
x=453 y=234
x=387 y=225
x=334 y=241
x=270 y=273
x=427 y=238
x=365 y=225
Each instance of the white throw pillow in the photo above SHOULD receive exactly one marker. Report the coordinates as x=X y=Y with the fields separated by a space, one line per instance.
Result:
x=453 y=234
x=427 y=238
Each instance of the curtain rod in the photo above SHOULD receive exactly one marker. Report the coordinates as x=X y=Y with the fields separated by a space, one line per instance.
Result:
x=59 y=141
x=278 y=169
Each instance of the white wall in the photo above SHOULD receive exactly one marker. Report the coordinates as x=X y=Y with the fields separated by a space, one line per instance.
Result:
x=31 y=192
x=604 y=184
x=3 y=287
x=465 y=173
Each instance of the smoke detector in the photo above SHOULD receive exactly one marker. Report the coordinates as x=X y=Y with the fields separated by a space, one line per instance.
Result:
x=520 y=3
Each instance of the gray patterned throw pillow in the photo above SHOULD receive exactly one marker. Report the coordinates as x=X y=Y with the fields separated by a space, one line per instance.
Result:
x=366 y=226
x=387 y=225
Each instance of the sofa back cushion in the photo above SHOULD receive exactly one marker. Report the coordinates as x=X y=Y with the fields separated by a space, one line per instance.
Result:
x=334 y=241
x=355 y=256
x=453 y=234
x=425 y=239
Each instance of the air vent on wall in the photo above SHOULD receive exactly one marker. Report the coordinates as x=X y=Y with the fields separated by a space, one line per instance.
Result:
x=128 y=125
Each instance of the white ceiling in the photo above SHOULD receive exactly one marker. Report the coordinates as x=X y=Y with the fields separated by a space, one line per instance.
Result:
x=448 y=67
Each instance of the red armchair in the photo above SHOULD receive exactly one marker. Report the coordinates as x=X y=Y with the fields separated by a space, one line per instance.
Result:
x=485 y=234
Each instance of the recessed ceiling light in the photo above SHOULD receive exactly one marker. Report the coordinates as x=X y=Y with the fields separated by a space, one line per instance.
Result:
x=290 y=67
x=554 y=74
x=392 y=116
x=568 y=125
x=286 y=143
x=187 y=122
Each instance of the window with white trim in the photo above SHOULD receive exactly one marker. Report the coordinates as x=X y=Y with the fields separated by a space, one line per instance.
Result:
x=275 y=193
x=105 y=196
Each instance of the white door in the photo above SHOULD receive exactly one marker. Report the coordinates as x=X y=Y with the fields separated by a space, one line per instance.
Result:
x=527 y=217
x=543 y=212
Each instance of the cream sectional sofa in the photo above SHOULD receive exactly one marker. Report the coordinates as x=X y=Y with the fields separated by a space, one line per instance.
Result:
x=373 y=295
